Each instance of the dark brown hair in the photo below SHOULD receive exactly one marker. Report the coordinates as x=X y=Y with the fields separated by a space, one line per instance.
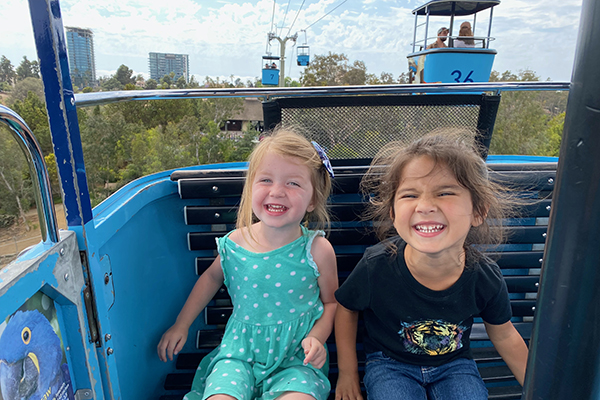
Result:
x=457 y=151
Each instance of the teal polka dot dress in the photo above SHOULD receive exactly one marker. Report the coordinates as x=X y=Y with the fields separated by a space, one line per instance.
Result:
x=276 y=302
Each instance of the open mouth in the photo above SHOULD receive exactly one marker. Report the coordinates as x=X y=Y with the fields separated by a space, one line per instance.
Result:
x=275 y=208
x=430 y=228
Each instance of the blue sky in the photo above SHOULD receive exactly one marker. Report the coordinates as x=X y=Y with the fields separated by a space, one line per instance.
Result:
x=229 y=37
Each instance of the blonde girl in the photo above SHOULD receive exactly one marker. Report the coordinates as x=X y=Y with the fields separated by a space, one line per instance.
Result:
x=281 y=277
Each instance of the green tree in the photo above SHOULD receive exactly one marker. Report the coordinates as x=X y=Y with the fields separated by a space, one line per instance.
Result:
x=7 y=71
x=554 y=135
x=124 y=75
x=106 y=138
x=243 y=147
x=151 y=84
x=15 y=189
x=181 y=83
x=110 y=84
x=22 y=89
x=333 y=70
x=521 y=122
x=33 y=111
x=28 y=69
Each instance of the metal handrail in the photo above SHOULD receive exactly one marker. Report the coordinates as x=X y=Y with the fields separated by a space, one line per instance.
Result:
x=39 y=172
x=98 y=98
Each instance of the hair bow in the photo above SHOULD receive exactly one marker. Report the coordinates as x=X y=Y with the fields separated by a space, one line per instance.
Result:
x=323 y=158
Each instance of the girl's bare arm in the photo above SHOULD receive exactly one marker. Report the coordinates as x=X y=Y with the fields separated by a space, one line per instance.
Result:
x=348 y=385
x=324 y=257
x=511 y=346
x=205 y=288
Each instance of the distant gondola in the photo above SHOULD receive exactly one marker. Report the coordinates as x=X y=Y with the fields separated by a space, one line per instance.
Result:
x=270 y=71
x=303 y=55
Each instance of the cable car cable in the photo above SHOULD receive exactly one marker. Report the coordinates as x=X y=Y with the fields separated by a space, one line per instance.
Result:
x=295 y=18
x=284 y=17
x=325 y=15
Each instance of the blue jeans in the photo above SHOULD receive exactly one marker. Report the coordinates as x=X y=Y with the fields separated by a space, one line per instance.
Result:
x=388 y=379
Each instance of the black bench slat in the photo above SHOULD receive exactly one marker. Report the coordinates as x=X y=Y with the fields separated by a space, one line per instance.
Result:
x=197 y=215
x=180 y=381
x=522 y=284
x=512 y=392
x=518 y=259
x=208 y=187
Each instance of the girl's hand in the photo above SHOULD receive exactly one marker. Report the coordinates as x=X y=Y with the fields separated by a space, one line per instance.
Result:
x=172 y=342
x=314 y=352
x=348 y=387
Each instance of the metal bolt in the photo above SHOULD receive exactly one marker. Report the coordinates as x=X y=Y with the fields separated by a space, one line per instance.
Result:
x=217 y=215
x=107 y=337
x=544 y=234
x=541 y=260
x=548 y=208
x=222 y=315
x=106 y=279
x=66 y=277
x=86 y=393
x=109 y=351
x=532 y=308
x=551 y=181
x=87 y=295
x=62 y=252
x=72 y=101
x=537 y=284
x=68 y=348
x=215 y=189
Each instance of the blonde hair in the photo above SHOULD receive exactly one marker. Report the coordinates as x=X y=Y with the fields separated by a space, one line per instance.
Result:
x=465 y=30
x=288 y=142
x=457 y=151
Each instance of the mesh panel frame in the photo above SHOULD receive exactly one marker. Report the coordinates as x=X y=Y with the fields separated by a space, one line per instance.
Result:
x=358 y=127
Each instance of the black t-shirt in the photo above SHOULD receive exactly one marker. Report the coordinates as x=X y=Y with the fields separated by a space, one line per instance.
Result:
x=414 y=324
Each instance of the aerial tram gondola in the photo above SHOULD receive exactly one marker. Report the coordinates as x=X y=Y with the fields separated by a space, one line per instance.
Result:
x=303 y=53
x=270 y=71
x=459 y=59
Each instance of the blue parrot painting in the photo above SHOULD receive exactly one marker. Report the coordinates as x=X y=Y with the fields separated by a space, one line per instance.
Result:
x=30 y=360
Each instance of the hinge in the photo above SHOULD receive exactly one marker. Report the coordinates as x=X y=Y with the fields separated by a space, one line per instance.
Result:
x=89 y=300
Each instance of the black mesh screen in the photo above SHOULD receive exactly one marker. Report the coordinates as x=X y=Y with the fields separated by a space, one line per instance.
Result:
x=357 y=127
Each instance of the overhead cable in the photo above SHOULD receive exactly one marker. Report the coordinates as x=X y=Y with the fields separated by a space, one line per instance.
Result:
x=325 y=15
x=301 y=5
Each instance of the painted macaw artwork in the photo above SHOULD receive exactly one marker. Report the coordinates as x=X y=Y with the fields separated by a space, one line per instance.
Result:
x=30 y=360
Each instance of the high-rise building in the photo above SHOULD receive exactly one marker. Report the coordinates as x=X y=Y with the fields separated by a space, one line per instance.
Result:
x=82 y=63
x=162 y=64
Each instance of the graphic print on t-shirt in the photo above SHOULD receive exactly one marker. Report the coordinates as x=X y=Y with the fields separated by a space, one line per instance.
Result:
x=431 y=337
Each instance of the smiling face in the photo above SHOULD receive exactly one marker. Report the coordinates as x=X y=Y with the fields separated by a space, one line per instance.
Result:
x=432 y=212
x=282 y=192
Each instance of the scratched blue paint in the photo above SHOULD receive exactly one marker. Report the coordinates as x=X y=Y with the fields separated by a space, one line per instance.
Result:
x=66 y=139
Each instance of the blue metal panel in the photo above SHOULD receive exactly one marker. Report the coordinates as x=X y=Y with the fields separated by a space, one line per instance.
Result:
x=452 y=65
x=270 y=76
x=60 y=103
x=303 y=60
x=56 y=272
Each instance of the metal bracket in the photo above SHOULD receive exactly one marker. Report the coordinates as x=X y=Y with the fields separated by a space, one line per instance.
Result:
x=89 y=301
x=83 y=394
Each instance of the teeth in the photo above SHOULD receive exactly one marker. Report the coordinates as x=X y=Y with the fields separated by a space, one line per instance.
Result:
x=276 y=208
x=429 y=228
